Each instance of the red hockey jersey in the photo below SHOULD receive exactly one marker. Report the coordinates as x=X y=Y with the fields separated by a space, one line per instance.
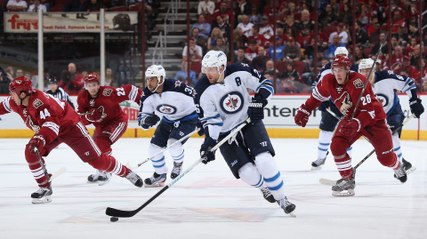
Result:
x=45 y=115
x=346 y=96
x=108 y=99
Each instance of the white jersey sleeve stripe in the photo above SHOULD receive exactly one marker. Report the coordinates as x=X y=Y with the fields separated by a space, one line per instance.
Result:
x=52 y=126
x=6 y=104
x=316 y=94
x=133 y=93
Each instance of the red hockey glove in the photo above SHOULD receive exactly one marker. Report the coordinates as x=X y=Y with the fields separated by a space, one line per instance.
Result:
x=95 y=115
x=349 y=127
x=37 y=142
x=301 y=118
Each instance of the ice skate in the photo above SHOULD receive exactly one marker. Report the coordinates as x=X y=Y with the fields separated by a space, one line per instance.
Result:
x=134 y=179
x=176 y=171
x=344 y=187
x=317 y=165
x=407 y=166
x=99 y=177
x=267 y=195
x=400 y=174
x=43 y=195
x=157 y=180
x=287 y=206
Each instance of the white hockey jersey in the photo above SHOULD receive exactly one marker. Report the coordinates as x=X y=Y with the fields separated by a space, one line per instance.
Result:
x=223 y=106
x=386 y=85
x=175 y=103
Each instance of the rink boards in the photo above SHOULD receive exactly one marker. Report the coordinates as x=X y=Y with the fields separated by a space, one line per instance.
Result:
x=279 y=114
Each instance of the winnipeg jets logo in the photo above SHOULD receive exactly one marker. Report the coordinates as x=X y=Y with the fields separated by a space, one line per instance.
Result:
x=166 y=109
x=92 y=103
x=232 y=102
x=383 y=99
x=345 y=103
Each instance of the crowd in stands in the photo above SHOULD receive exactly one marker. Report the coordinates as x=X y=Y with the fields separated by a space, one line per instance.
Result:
x=279 y=40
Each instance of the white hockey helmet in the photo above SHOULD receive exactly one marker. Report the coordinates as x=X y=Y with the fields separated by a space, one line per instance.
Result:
x=341 y=51
x=156 y=71
x=214 y=59
x=366 y=63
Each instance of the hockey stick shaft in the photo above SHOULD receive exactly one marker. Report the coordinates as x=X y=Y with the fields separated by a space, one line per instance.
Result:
x=168 y=147
x=123 y=213
x=367 y=80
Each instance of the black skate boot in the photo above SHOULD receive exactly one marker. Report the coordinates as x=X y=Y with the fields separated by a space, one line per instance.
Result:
x=344 y=187
x=134 y=179
x=43 y=195
x=99 y=177
x=287 y=206
x=176 y=171
x=400 y=174
x=407 y=166
x=157 y=180
x=315 y=165
x=267 y=195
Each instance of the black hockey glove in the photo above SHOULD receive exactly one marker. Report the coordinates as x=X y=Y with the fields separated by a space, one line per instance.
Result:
x=256 y=108
x=416 y=107
x=147 y=121
x=205 y=150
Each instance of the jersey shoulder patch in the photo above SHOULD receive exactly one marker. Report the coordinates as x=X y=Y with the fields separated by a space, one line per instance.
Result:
x=107 y=91
x=37 y=103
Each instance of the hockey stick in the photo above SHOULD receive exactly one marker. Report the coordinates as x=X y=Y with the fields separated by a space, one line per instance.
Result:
x=166 y=148
x=331 y=182
x=123 y=213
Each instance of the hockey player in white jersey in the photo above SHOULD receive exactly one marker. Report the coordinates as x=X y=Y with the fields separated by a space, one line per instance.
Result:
x=175 y=102
x=385 y=84
x=224 y=102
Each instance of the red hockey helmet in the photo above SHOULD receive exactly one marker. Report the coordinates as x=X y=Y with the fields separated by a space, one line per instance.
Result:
x=21 y=84
x=91 y=77
x=343 y=61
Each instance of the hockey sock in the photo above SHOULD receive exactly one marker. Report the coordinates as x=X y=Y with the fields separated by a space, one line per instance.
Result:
x=176 y=151
x=268 y=169
x=158 y=161
x=396 y=146
x=344 y=167
x=250 y=175
x=37 y=168
x=325 y=138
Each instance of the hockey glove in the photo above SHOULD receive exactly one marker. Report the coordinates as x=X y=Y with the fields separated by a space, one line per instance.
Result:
x=147 y=121
x=302 y=115
x=37 y=142
x=95 y=115
x=349 y=127
x=416 y=107
x=256 y=108
x=205 y=150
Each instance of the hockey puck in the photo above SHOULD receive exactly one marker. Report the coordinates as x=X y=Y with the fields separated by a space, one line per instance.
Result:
x=114 y=219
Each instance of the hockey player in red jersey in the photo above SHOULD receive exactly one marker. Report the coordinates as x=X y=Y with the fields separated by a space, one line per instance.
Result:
x=55 y=122
x=344 y=87
x=99 y=105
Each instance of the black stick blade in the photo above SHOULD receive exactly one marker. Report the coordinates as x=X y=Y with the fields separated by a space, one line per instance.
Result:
x=118 y=213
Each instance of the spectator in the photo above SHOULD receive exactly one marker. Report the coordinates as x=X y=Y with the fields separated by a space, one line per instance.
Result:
x=243 y=8
x=239 y=39
x=245 y=25
x=71 y=81
x=252 y=50
x=341 y=32
x=223 y=26
x=327 y=16
x=265 y=29
x=259 y=38
x=224 y=11
x=269 y=68
x=206 y=7
x=182 y=75
x=280 y=50
x=260 y=60
x=17 y=6
x=383 y=41
x=36 y=5
x=204 y=27
x=361 y=34
x=200 y=40
x=292 y=50
x=330 y=52
x=19 y=72
x=215 y=34
x=109 y=77
x=240 y=57
x=221 y=45
x=255 y=17
x=91 y=6
x=196 y=52
x=4 y=81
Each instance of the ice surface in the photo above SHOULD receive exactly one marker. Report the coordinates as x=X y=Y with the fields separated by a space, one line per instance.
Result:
x=209 y=203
